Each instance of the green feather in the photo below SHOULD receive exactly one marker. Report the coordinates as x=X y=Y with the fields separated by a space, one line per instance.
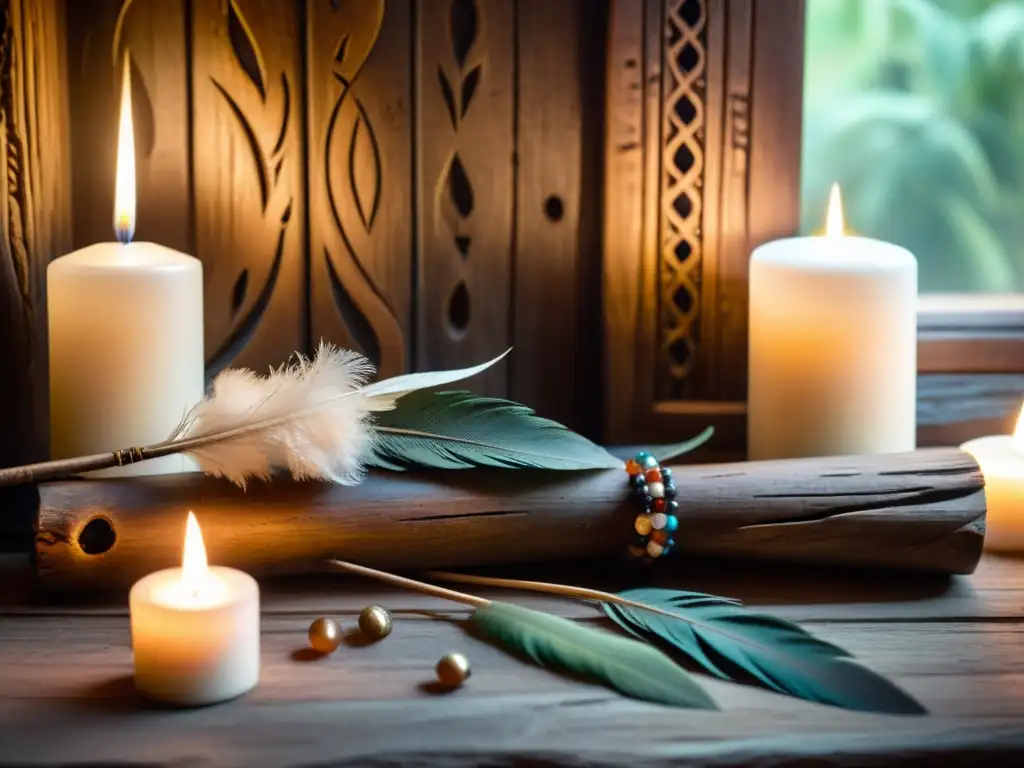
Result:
x=627 y=666
x=734 y=643
x=459 y=430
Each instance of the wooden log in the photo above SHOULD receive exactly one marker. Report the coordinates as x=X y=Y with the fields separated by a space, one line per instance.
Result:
x=921 y=511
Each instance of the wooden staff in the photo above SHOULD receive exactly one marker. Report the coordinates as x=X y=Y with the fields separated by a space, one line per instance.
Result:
x=921 y=511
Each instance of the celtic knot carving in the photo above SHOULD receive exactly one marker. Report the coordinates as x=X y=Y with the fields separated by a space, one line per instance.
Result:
x=684 y=85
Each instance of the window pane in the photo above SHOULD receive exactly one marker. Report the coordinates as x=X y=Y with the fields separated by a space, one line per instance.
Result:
x=916 y=107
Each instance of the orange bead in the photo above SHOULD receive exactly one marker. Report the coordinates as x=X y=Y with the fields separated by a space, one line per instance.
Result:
x=632 y=467
x=653 y=475
x=660 y=536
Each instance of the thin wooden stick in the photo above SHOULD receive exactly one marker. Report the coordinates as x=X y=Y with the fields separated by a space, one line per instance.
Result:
x=419 y=586
x=563 y=590
x=582 y=593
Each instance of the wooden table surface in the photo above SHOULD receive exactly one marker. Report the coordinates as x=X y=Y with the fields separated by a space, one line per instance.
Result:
x=957 y=644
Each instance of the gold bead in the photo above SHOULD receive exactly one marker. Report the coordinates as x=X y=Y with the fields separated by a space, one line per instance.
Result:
x=325 y=635
x=453 y=669
x=375 y=622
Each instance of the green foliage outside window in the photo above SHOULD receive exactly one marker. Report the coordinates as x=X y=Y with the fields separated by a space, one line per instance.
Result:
x=916 y=107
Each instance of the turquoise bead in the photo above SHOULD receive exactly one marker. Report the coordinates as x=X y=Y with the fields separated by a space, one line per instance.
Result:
x=672 y=523
x=641 y=457
x=649 y=462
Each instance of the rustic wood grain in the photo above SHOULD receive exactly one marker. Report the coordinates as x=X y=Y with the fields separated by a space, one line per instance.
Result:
x=369 y=704
x=35 y=223
x=249 y=179
x=723 y=287
x=547 y=277
x=776 y=120
x=921 y=511
x=623 y=218
x=359 y=127
x=465 y=104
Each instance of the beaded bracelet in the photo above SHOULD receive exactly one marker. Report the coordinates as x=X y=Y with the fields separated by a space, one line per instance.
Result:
x=655 y=492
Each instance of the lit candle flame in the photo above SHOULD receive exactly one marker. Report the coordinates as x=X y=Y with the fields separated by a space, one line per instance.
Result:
x=194 y=569
x=834 y=226
x=124 y=190
x=1018 y=432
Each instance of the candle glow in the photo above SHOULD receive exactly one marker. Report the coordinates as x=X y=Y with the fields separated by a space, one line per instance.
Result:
x=834 y=224
x=1001 y=460
x=124 y=190
x=195 y=573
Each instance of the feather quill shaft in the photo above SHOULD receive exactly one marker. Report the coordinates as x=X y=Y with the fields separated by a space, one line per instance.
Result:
x=311 y=418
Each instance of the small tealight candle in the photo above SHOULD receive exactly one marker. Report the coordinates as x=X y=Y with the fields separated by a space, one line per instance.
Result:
x=195 y=630
x=1001 y=458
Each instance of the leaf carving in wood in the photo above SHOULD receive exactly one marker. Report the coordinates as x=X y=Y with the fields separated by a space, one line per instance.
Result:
x=364 y=169
x=142 y=105
x=360 y=23
x=239 y=291
x=458 y=310
x=460 y=191
x=246 y=51
x=254 y=145
x=355 y=321
x=286 y=95
x=469 y=85
x=229 y=348
x=448 y=95
x=463 y=28
x=143 y=120
x=339 y=53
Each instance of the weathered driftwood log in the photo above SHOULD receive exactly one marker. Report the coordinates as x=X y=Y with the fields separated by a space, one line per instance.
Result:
x=920 y=511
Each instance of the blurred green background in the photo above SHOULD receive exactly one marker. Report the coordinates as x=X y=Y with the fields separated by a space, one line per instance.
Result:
x=916 y=107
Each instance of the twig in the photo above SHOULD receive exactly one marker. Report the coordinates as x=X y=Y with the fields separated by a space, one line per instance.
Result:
x=419 y=586
x=580 y=593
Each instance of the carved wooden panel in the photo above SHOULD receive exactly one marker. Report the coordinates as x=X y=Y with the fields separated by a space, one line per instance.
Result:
x=465 y=184
x=360 y=176
x=34 y=214
x=248 y=174
x=692 y=182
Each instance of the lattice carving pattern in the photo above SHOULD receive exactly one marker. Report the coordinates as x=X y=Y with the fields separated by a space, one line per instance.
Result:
x=684 y=87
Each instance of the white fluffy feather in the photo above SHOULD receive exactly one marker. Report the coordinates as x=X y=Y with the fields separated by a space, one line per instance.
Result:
x=310 y=418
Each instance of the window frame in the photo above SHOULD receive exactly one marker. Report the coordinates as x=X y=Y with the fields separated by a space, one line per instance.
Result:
x=971 y=347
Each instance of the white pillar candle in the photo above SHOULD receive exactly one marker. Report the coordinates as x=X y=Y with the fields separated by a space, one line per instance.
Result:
x=1001 y=459
x=833 y=346
x=195 y=630
x=126 y=336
